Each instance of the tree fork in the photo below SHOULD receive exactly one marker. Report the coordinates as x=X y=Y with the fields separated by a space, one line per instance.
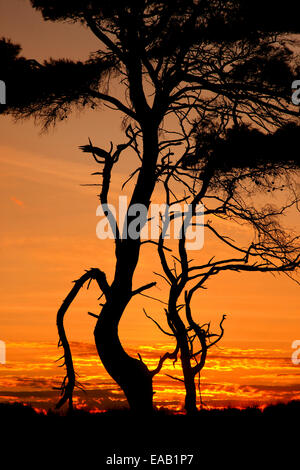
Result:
x=132 y=375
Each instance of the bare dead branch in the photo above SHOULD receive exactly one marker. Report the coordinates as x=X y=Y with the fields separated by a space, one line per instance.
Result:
x=158 y=325
x=69 y=381
x=141 y=289
x=162 y=360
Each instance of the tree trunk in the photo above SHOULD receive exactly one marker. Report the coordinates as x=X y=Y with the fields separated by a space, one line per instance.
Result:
x=185 y=357
x=131 y=374
x=190 y=403
x=190 y=396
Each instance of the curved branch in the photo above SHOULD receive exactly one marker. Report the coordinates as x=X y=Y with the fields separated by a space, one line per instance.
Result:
x=103 y=38
x=110 y=99
x=162 y=360
x=157 y=324
x=69 y=382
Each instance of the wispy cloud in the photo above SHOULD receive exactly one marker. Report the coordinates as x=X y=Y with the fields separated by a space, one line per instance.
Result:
x=17 y=201
x=232 y=376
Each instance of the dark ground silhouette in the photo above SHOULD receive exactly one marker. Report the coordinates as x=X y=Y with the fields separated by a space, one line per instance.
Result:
x=22 y=411
x=215 y=437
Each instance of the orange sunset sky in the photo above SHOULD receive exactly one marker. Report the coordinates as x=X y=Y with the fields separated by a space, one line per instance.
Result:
x=48 y=237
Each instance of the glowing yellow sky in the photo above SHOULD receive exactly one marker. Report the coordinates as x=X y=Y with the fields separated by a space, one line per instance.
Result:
x=48 y=238
x=233 y=376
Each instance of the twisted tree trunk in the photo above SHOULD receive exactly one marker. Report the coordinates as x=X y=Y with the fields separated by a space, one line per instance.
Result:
x=132 y=375
x=190 y=403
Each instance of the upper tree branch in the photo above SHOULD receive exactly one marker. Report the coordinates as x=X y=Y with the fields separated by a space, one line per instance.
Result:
x=91 y=23
x=119 y=105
